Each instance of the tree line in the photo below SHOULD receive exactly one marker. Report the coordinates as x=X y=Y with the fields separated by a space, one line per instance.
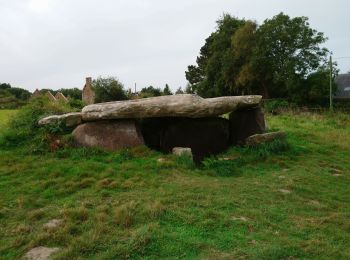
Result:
x=111 y=89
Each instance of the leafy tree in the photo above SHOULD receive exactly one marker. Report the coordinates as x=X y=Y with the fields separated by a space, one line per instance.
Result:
x=316 y=86
x=108 y=89
x=288 y=51
x=45 y=90
x=179 y=91
x=150 y=92
x=20 y=93
x=166 y=90
x=273 y=59
x=211 y=76
x=5 y=86
x=189 y=89
x=73 y=93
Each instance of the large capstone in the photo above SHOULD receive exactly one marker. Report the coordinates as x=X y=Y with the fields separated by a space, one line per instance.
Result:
x=205 y=136
x=245 y=123
x=109 y=135
x=186 y=105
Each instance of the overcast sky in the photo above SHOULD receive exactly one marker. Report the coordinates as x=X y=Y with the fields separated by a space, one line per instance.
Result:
x=57 y=43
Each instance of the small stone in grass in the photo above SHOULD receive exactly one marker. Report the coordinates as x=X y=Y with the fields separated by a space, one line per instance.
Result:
x=244 y=219
x=285 y=191
x=54 y=223
x=337 y=175
x=40 y=253
x=161 y=160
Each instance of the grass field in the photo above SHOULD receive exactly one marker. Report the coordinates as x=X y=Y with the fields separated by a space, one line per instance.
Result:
x=294 y=204
x=5 y=115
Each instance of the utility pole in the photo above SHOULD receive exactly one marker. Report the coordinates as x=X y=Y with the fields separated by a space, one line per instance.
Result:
x=135 y=88
x=330 y=84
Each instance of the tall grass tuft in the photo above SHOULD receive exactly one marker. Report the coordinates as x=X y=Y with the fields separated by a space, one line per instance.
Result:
x=266 y=149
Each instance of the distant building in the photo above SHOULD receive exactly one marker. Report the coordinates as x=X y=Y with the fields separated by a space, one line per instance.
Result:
x=343 y=83
x=36 y=93
x=60 y=97
x=88 y=95
x=50 y=96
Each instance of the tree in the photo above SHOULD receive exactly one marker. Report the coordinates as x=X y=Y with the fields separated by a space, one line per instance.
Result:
x=166 y=90
x=288 y=50
x=5 y=86
x=316 y=86
x=108 y=89
x=150 y=92
x=179 y=91
x=20 y=93
x=273 y=59
x=211 y=77
x=73 y=93
x=189 y=89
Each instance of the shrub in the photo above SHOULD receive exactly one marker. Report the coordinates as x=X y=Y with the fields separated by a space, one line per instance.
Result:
x=108 y=89
x=274 y=106
x=24 y=127
x=76 y=103
x=125 y=214
x=223 y=168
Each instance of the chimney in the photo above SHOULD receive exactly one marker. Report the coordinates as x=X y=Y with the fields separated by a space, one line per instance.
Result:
x=88 y=81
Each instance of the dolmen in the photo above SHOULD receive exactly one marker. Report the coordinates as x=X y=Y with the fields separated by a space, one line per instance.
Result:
x=165 y=122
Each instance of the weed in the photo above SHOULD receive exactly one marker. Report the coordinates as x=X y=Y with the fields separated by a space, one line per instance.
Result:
x=267 y=149
x=124 y=215
x=156 y=210
x=79 y=214
x=223 y=167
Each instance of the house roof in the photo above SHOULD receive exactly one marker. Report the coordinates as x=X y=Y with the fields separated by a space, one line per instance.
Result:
x=60 y=96
x=343 y=82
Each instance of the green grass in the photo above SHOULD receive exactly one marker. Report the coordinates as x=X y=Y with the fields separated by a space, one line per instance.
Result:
x=131 y=205
x=5 y=115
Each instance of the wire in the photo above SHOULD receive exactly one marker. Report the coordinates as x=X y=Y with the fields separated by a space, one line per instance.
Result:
x=341 y=58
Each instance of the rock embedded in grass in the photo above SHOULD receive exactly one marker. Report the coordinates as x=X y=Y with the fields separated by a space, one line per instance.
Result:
x=40 y=253
x=180 y=151
x=52 y=224
x=284 y=191
x=259 y=139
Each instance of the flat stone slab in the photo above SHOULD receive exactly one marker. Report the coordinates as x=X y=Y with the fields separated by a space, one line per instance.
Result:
x=40 y=253
x=70 y=119
x=258 y=139
x=185 y=105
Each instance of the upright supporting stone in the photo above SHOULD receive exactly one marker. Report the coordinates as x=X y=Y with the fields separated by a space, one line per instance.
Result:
x=245 y=123
x=109 y=135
